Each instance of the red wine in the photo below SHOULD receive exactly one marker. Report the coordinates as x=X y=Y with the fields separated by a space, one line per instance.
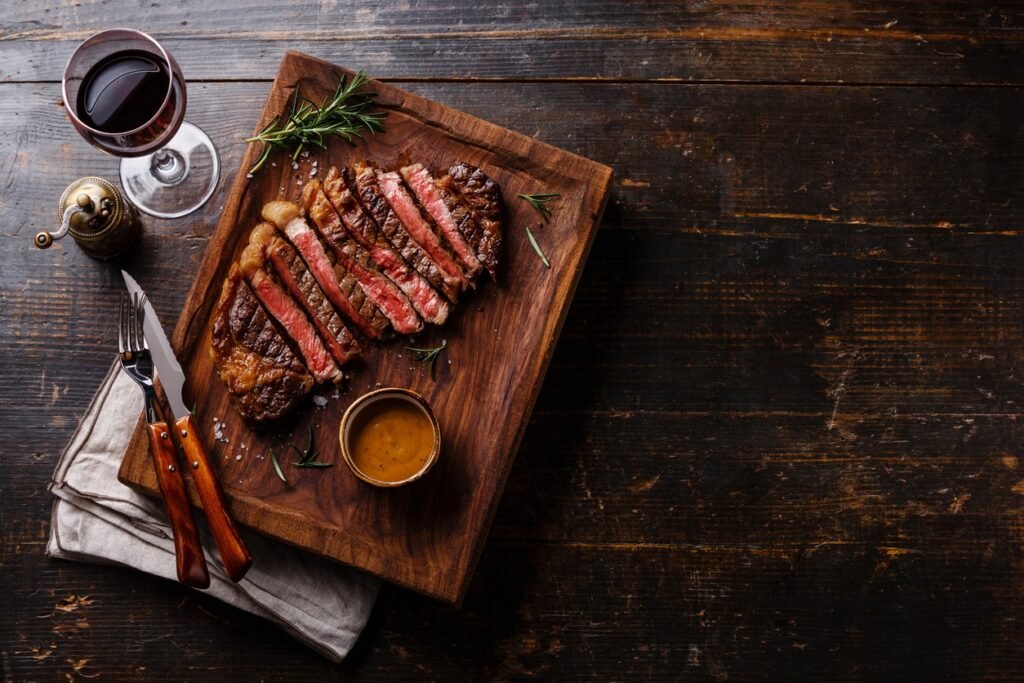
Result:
x=123 y=91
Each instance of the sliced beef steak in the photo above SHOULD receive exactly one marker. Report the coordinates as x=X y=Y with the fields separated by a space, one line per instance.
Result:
x=385 y=293
x=483 y=198
x=288 y=314
x=264 y=378
x=372 y=198
x=339 y=285
x=291 y=271
x=428 y=303
x=419 y=228
x=433 y=201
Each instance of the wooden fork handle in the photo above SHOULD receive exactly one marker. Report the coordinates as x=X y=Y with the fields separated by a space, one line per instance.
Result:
x=192 y=569
x=233 y=553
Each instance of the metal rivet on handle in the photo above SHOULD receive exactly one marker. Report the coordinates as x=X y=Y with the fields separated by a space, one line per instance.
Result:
x=195 y=464
x=170 y=468
x=163 y=435
x=184 y=433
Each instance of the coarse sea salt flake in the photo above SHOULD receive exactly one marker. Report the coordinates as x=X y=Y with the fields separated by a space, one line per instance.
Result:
x=320 y=401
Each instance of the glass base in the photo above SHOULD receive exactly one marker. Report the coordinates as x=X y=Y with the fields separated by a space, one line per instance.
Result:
x=175 y=180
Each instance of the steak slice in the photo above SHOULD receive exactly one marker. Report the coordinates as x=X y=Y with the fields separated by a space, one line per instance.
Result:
x=288 y=313
x=431 y=199
x=382 y=291
x=483 y=198
x=429 y=304
x=264 y=378
x=340 y=287
x=418 y=227
x=374 y=203
x=291 y=271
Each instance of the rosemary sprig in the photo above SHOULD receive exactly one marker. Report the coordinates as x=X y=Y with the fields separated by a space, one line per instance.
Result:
x=277 y=466
x=536 y=247
x=307 y=458
x=429 y=355
x=540 y=202
x=345 y=114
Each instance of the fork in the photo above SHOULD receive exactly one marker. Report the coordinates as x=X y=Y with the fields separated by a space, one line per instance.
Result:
x=137 y=363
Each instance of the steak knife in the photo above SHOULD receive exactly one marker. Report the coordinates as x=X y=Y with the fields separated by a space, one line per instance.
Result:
x=233 y=552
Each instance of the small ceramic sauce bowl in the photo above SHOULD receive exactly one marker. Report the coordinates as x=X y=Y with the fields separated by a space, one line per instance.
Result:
x=389 y=437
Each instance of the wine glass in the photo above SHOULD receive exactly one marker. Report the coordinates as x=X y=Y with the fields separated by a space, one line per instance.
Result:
x=126 y=95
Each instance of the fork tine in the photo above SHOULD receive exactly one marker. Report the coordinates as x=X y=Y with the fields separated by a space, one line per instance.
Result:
x=121 y=320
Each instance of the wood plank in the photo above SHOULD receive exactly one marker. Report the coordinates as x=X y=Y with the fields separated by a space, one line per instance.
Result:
x=425 y=537
x=689 y=157
x=564 y=611
x=801 y=41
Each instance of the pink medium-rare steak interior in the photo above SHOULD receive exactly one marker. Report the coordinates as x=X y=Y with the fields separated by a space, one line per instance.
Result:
x=382 y=291
x=264 y=378
x=426 y=192
x=417 y=226
x=292 y=272
x=289 y=315
x=339 y=286
x=372 y=198
x=361 y=226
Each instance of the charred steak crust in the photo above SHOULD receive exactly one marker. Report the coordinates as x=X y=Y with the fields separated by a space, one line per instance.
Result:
x=292 y=270
x=374 y=203
x=338 y=187
x=483 y=197
x=384 y=293
x=265 y=380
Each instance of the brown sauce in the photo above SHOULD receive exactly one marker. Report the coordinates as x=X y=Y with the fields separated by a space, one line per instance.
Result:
x=390 y=440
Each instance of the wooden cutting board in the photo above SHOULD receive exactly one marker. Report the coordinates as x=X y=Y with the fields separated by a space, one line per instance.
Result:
x=426 y=536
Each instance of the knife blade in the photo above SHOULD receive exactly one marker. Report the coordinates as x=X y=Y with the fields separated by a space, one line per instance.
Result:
x=233 y=552
x=172 y=378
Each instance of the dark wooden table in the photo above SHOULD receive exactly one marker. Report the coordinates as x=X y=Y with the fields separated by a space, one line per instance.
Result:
x=781 y=437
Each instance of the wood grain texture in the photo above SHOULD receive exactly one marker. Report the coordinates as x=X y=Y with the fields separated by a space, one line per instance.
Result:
x=799 y=41
x=810 y=473
x=425 y=536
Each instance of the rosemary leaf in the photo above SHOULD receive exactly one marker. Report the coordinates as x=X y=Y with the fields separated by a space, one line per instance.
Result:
x=277 y=467
x=536 y=248
x=429 y=355
x=313 y=463
x=344 y=114
x=308 y=454
x=540 y=202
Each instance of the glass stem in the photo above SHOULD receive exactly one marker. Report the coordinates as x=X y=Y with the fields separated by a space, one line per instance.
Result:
x=168 y=167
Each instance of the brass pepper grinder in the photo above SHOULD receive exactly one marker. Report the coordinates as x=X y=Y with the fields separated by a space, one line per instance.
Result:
x=102 y=221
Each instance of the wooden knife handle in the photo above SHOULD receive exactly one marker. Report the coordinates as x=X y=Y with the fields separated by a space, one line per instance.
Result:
x=187 y=548
x=233 y=553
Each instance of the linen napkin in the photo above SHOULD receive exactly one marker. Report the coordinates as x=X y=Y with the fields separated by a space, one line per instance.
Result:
x=98 y=519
